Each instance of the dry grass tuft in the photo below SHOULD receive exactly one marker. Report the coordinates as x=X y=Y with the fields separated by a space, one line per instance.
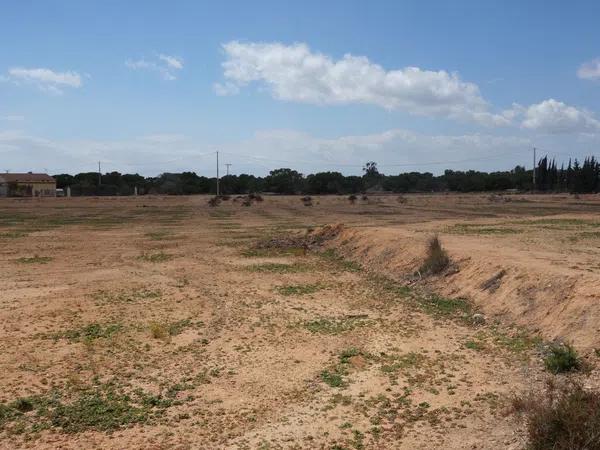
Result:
x=437 y=259
x=159 y=330
x=564 y=417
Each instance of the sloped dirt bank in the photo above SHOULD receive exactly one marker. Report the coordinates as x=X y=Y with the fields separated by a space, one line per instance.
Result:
x=515 y=285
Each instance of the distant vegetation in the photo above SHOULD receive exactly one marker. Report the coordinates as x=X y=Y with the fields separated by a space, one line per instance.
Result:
x=576 y=177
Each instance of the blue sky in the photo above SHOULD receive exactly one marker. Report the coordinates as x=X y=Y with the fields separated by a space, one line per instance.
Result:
x=157 y=86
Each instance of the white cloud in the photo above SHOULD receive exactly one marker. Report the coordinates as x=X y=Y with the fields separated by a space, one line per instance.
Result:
x=45 y=79
x=165 y=65
x=171 y=61
x=227 y=88
x=552 y=116
x=295 y=73
x=396 y=150
x=590 y=70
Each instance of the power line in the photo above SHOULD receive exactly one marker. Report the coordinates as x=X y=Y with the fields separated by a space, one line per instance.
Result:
x=431 y=163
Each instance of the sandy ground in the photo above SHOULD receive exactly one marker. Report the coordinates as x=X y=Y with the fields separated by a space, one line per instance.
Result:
x=152 y=323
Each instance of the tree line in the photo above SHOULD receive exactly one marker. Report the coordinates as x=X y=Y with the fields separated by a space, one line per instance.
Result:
x=576 y=178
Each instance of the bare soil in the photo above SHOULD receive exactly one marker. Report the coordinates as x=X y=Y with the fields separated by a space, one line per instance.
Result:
x=156 y=322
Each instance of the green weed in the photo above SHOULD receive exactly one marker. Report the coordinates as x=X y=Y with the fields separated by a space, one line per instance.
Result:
x=278 y=268
x=334 y=326
x=34 y=260
x=562 y=358
x=102 y=408
x=89 y=333
x=155 y=257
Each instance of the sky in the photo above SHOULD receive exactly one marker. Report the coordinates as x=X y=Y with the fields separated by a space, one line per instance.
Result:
x=159 y=86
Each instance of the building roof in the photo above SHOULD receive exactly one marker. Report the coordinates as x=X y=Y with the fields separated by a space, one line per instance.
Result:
x=26 y=178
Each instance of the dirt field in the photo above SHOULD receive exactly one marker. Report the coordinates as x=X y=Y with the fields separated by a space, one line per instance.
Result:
x=154 y=322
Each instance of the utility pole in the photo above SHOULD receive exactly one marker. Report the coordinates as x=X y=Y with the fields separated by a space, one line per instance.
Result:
x=99 y=174
x=228 y=165
x=217 y=174
x=534 y=164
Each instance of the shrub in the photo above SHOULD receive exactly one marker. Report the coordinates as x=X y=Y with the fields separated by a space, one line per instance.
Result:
x=562 y=358
x=352 y=199
x=333 y=379
x=158 y=330
x=214 y=201
x=401 y=199
x=307 y=200
x=437 y=259
x=255 y=197
x=564 y=417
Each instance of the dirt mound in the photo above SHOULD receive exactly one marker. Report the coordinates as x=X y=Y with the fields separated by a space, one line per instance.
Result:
x=510 y=283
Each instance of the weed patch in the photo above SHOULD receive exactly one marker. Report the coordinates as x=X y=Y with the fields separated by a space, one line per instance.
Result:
x=161 y=235
x=89 y=333
x=34 y=260
x=395 y=363
x=331 y=256
x=99 y=408
x=155 y=257
x=278 y=268
x=126 y=296
x=518 y=342
x=443 y=306
x=266 y=252
x=333 y=379
x=562 y=358
x=12 y=235
x=335 y=326
x=481 y=229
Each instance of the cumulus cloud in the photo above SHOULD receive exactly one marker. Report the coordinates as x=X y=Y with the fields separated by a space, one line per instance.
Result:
x=552 y=116
x=45 y=79
x=165 y=65
x=590 y=70
x=295 y=73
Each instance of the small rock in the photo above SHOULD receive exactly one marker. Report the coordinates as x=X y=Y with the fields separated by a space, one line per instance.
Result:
x=478 y=319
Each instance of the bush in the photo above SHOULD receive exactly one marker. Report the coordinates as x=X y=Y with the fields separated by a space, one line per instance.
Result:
x=158 y=330
x=307 y=200
x=214 y=201
x=565 y=417
x=562 y=358
x=437 y=259
x=255 y=197
x=352 y=199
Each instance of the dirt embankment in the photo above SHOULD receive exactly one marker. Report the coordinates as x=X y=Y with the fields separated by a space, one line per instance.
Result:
x=534 y=289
